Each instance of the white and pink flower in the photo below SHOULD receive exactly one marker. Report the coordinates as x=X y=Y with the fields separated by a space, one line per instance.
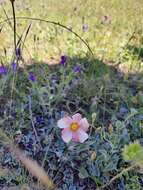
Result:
x=74 y=128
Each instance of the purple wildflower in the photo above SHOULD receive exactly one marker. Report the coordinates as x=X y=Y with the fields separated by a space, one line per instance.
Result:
x=14 y=66
x=39 y=119
x=32 y=77
x=63 y=60
x=3 y=70
x=85 y=27
x=77 y=69
x=18 y=53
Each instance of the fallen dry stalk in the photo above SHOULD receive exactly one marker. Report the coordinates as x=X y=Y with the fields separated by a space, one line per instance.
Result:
x=33 y=167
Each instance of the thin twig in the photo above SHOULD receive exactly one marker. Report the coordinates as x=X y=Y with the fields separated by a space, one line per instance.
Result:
x=117 y=176
x=31 y=118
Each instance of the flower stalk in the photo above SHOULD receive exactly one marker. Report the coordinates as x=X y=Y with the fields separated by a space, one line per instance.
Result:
x=14 y=24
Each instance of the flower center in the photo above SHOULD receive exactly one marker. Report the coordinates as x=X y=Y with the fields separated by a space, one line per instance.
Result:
x=74 y=127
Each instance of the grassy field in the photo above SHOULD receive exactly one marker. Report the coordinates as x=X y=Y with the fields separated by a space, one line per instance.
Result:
x=87 y=59
x=107 y=39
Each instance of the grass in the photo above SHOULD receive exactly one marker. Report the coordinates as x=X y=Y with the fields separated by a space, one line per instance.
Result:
x=105 y=87
x=106 y=40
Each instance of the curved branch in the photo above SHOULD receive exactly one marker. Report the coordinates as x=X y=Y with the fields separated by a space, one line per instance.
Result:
x=55 y=23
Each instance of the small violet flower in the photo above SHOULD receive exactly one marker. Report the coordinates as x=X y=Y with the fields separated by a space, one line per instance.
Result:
x=3 y=70
x=63 y=60
x=85 y=27
x=14 y=66
x=74 y=128
x=32 y=77
x=18 y=53
x=77 y=69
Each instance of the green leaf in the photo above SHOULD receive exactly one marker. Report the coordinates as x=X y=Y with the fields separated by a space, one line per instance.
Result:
x=133 y=152
x=133 y=111
x=83 y=173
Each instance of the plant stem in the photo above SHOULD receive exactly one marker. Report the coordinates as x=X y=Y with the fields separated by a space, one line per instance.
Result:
x=117 y=176
x=14 y=24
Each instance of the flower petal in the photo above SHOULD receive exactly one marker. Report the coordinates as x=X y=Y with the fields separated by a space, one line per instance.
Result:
x=82 y=135
x=64 y=122
x=77 y=117
x=66 y=135
x=75 y=137
x=84 y=124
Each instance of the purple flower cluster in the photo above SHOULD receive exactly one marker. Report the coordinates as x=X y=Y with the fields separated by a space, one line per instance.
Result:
x=32 y=77
x=3 y=70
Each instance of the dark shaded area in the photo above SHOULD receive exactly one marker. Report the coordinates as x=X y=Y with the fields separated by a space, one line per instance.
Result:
x=95 y=87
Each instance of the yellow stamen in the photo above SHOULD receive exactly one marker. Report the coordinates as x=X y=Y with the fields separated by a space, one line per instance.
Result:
x=74 y=127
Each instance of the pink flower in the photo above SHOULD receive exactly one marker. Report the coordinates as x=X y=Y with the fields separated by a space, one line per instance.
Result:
x=74 y=128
